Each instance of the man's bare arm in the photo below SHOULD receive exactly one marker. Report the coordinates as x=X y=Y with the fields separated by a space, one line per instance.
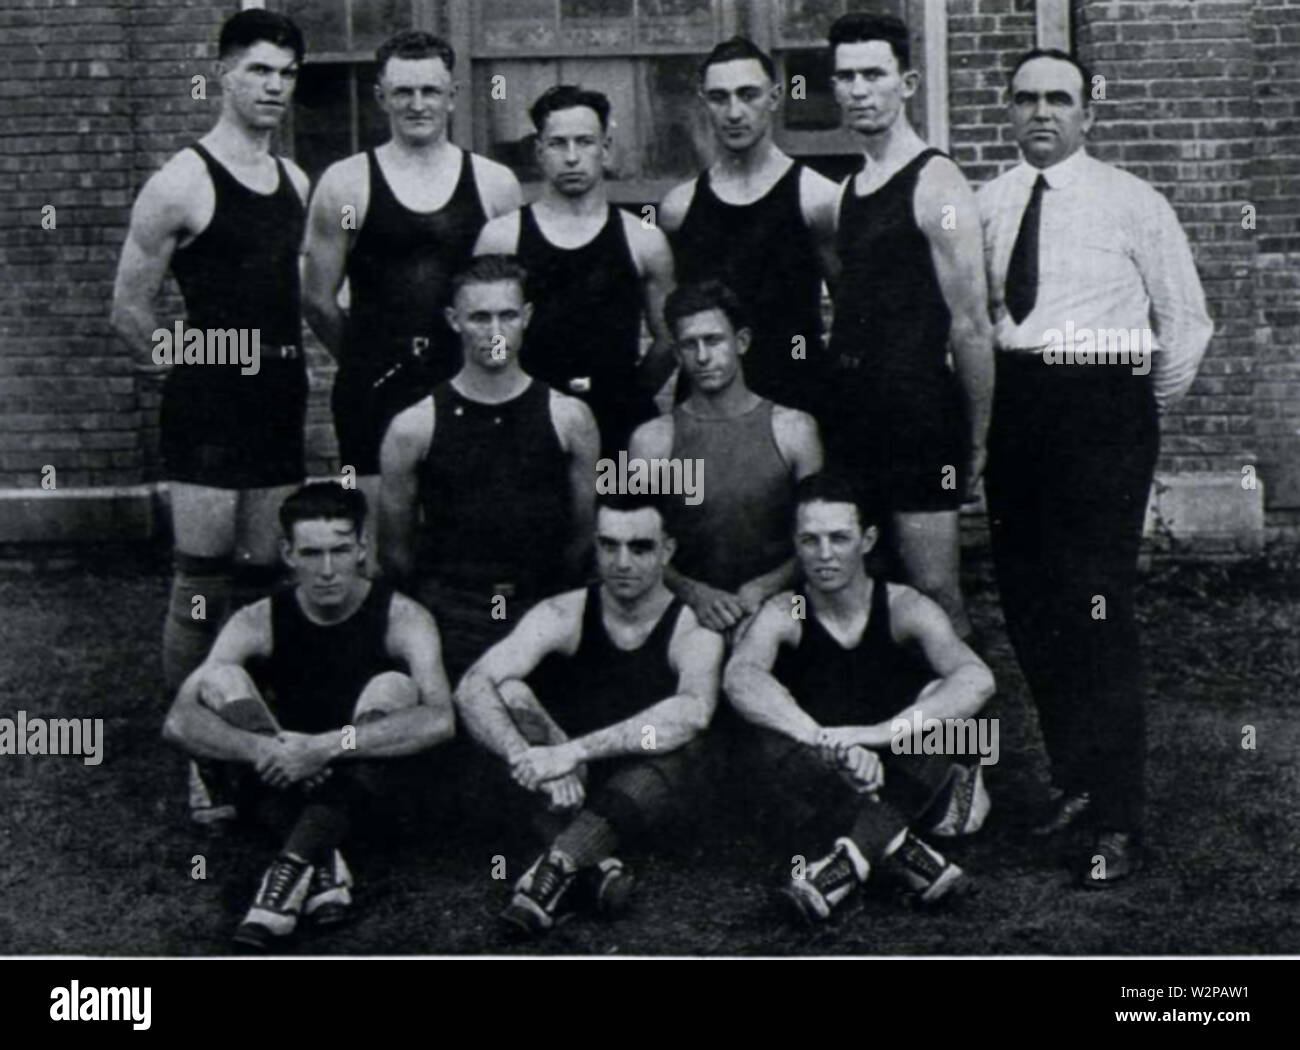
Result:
x=820 y=200
x=552 y=626
x=325 y=255
x=405 y=445
x=498 y=187
x=499 y=237
x=672 y=210
x=947 y=213
x=163 y=216
x=655 y=261
x=412 y=639
x=748 y=681
x=580 y=439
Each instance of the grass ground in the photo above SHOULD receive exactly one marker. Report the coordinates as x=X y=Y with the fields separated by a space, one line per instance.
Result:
x=98 y=860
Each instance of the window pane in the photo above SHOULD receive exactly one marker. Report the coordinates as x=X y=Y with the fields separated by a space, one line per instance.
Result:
x=374 y=21
x=323 y=23
x=596 y=23
x=322 y=124
x=817 y=111
x=676 y=141
x=678 y=23
x=807 y=20
x=522 y=26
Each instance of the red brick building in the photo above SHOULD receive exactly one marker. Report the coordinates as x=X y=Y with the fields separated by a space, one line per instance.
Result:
x=1202 y=98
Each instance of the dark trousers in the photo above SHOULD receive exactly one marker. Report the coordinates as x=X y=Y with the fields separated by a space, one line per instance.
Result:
x=1072 y=453
x=813 y=802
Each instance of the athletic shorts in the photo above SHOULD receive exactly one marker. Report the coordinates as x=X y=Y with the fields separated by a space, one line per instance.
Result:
x=900 y=447
x=365 y=399
x=232 y=431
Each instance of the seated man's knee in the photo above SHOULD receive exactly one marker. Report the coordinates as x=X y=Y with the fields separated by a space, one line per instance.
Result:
x=386 y=694
x=526 y=711
x=231 y=694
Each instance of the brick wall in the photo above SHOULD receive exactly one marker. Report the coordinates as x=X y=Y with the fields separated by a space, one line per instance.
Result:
x=66 y=395
x=93 y=98
x=1179 y=85
x=1275 y=192
x=985 y=37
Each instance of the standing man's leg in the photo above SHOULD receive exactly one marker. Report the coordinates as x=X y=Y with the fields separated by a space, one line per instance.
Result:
x=929 y=549
x=203 y=538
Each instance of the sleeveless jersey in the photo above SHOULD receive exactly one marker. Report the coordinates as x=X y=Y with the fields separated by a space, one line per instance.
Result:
x=601 y=684
x=742 y=529
x=495 y=490
x=868 y=683
x=890 y=339
x=765 y=253
x=218 y=426
x=316 y=672
x=586 y=310
x=400 y=270
x=242 y=270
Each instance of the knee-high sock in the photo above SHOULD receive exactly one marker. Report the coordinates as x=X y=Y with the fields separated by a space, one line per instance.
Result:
x=589 y=839
x=186 y=640
x=319 y=830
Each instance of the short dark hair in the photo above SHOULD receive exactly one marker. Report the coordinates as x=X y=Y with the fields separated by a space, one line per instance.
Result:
x=630 y=502
x=695 y=297
x=568 y=96
x=1085 y=74
x=323 y=501
x=415 y=43
x=859 y=27
x=249 y=27
x=489 y=269
x=833 y=486
x=738 y=49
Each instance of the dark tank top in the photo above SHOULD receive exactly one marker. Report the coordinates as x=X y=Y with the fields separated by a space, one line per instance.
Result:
x=316 y=672
x=742 y=529
x=601 y=684
x=586 y=310
x=868 y=683
x=400 y=270
x=495 y=491
x=242 y=270
x=889 y=343
x=765 y=253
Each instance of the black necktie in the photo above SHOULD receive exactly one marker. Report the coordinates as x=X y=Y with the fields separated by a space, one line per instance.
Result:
x=1021 y=287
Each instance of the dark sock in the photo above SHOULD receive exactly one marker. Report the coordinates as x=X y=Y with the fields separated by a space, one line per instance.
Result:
x=876 y=827
x=588 y=840
x=318 y=832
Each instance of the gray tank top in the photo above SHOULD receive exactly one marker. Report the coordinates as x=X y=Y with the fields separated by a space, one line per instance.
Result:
x=741 y=529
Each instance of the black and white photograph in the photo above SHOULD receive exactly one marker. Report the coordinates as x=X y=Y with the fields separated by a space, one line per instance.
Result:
x=651 y=478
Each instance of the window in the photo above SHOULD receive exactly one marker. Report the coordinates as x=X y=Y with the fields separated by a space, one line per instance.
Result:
x=643 y=54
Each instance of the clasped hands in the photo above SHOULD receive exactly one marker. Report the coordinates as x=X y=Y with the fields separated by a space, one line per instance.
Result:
x=290 y=758
x=858 y=765
x=556 y=771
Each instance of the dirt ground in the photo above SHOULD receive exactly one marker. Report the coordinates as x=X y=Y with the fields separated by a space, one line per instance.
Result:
x=98 y=860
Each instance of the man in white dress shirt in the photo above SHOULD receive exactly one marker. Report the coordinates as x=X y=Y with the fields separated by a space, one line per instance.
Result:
x=1100 y=323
